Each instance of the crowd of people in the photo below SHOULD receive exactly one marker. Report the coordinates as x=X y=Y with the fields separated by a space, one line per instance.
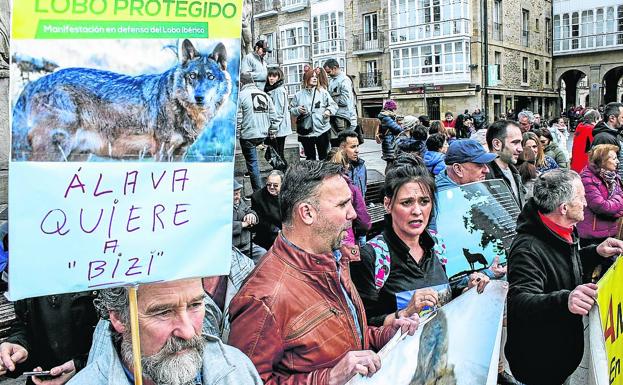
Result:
x=312 y=296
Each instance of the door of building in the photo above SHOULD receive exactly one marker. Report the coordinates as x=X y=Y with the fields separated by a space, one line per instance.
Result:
x=432 y=107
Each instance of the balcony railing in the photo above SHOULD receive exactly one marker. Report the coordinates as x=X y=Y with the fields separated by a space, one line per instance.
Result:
x=293 y=5
x=265 y=8
x=369 y=42
x=370 y=79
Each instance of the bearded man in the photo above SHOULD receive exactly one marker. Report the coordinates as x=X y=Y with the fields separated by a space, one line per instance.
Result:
x=174 y=351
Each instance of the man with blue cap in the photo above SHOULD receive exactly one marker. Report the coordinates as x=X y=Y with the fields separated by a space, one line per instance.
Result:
x=466 y=162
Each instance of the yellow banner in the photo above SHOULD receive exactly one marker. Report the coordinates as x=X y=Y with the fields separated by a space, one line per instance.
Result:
x=609 y=299
x=66 y=19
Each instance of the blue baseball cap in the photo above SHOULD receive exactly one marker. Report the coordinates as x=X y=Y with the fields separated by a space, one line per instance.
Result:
x=468 y=150
x=237 y=185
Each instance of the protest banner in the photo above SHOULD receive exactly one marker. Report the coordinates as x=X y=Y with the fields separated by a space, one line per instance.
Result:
x=609 y=299
x=459 y=344
x=122 y=142
x=477 y=223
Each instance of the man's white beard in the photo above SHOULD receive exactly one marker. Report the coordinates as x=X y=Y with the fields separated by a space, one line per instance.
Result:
x=166 y=367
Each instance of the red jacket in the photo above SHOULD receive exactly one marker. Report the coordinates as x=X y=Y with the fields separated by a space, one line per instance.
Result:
x=291 y=319
x=581 y=144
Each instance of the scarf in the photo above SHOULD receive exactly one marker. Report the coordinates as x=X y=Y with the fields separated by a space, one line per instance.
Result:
x=268 y=87
x=609 y=177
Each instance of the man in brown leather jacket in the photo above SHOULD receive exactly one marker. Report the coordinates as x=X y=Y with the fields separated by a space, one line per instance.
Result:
x=299 y=317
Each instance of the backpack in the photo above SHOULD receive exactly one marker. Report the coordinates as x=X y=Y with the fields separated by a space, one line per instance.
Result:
x=382 y=260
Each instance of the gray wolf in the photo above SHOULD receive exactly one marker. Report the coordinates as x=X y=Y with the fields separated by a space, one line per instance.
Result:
x=75 y=112
x=473 y=258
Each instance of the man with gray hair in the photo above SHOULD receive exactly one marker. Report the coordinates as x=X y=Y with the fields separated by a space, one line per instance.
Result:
x=174 y=351
x=525 y=119
x=547 y=272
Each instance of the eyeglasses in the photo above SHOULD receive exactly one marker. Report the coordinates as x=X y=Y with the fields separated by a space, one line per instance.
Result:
x=272 y=185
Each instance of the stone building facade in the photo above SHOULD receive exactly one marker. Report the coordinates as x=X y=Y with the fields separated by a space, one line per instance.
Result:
x=588 y=51
x=433 y=56
x=428 y=55
x=300 y=32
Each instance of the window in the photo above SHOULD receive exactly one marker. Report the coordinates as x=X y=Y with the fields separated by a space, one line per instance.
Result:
x=524 y=70
x=271 y=57
x=293 y=75
x=537 y=27
x=599 y=27
x=548 y=35
x=525 y=27
x=266 y=5
x=575 y=31
x=497 y=20
x=498 y=63
x=441 y=58
x=415 y=20
x=295 y=43
x=620 y=25
x=328 y=33
x=610 y=26
x=557 y=42
x=565 y=32
x=370 y=27
x=586 y=30
x=547 y=72
x=371 y=66
x=537 y=64
x=371 y=77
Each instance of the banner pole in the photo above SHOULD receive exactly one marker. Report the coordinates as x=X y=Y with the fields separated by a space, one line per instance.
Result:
x=136 y=341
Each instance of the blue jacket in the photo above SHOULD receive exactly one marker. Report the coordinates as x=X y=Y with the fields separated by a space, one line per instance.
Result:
x=359 y=175
x=443 y=182
x=434 y=161
x=388 y=130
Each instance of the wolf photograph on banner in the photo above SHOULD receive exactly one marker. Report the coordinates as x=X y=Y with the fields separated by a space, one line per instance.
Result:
x=152 y=100
x=485 y=227
x=442 y=351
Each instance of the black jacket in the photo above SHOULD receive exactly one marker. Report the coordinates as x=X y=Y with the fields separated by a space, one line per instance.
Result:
x=267 y=208
x=602 y=134
x=404 y=275
x=54 y=329
x=495 y=172
x=545 y=341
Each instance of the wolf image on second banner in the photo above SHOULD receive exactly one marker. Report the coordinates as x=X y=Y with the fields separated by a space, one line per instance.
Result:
x=85 y=113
